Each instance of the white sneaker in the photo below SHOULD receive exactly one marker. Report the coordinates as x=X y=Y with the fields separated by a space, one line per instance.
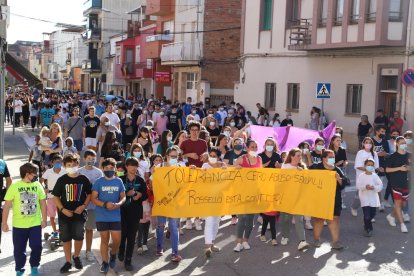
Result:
x=404 y=228
x=144 y=247
x=325 y=223
x=308 y=225
x=343 y=206
x=373 y=220
x=188 y=224
x=260 y=219
x=197 y=224
x=406 y=217
x=354 y=212
x=89 y=256
x=382 y=208
x=303 y=245
x=391 y=220
x=140 y=250
x=387 y=204
x=262 y=238
x=238 y=248
x=284 y=241
x=246 y=245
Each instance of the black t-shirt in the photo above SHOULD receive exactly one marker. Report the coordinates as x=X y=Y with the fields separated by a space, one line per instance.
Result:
x=340 y=155
x=381 y=121
x=72 y=192
x=91 y=126
x=363 y=129
x=232 y=156
x=273 y=159
x=240 y=121
x=132 y=206
x=339 y=188
x=379 y=147
x=4 y=172
x=316 y=157
x=213 y=132
x=286 y=122
x=398 y=179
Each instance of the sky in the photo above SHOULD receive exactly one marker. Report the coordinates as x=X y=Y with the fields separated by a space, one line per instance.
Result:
x=64 y=11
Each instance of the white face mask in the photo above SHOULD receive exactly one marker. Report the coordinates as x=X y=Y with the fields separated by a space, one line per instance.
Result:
x=253 y=153
x=212 y=160
x=212 y=124
x=169 y=138
x=72 y=170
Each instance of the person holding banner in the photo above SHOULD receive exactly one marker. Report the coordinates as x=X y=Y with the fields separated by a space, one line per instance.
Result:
x=212 y=223
x=328 y=163
x=171 y=160
x=293 y=161
x=245 y=225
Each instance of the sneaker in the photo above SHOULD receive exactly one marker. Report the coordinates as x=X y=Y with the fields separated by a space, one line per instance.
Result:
x=284 y=241
x=317 y=243
x=34 y=271
x=55 y=235
x=368 y=233
x=303 y=245
x=274 y=242
x=104 y=267
x=176 y=258
x=66 y=267
x=121 y=257
x=337 y=245
x=404 y=228
x=262 y=238
x=260 y=219
x=391 y=220
x=373 y=220
x=89 y=256
x=354 y=212
x=325 y=223
x=343 y=206
x=19 y=273
x=387 y=204
x=129 y=266
x=308 y=225
x=215 y=248
x=160 y=252
x=238 y=248
x=112 y=261
x=188 y=224
x=246 y=245
x=197 y=224
x=140 y=250
x=78 y=262
x=208 y=252
x=234 y=220
x=144 y=247
x=381 y=208
x=406 y=217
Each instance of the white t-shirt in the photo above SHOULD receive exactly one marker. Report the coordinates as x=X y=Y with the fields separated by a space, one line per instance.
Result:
x=113 y=118
x=143 y=168
x=18 y=106
x=369 y=197
x=93 y=175
x=51 y=178
x=360 y=158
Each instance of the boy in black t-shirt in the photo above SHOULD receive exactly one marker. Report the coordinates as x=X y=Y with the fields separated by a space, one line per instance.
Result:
x=90 y=129
x=381 y=147
x=72 y=194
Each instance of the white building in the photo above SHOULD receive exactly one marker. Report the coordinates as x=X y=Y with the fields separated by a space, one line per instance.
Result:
x=361 y=47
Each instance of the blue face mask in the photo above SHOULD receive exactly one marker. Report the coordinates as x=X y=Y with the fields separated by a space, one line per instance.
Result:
x=109 y=174
x=137 y=154
x=57 y=165
x=319 y=147
x=370 y=169
x=403 y=147
x=331 y=161
x=173 y=161
x=269 y=148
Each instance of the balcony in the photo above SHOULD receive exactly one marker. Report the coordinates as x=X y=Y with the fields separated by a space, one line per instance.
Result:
x=91 y=65
x=92 y=7
x=130 y=70
x=159 y=7
x=180 y=53
x=300 y=34
x=93 y=35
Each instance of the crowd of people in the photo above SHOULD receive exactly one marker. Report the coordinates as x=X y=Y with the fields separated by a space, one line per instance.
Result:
x=92 y=163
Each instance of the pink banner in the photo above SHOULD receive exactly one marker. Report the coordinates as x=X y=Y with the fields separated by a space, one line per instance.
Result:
x=290 y=137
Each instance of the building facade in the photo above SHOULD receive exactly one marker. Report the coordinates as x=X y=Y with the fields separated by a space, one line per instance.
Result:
x=360 y=47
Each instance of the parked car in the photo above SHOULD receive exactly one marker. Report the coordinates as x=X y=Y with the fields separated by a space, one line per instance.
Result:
x=109 y=98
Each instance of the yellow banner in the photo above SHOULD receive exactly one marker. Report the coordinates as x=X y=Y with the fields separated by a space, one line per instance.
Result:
x=182 y=192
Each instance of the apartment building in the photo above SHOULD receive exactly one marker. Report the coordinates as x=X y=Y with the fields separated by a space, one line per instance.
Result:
x=360 y=47
x=204 y=54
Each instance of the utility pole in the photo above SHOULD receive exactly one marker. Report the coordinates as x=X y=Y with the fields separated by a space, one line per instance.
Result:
x=2 y=94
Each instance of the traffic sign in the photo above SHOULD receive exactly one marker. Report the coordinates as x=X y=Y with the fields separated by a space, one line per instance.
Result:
x=323 y=90
x=408 y=77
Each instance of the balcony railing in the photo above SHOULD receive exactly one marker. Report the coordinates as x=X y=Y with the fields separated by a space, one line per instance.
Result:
x=91 y=65
x=300 y=34
x=92 y=5
x=159 y=37
x=93 y=34
x=187 y=52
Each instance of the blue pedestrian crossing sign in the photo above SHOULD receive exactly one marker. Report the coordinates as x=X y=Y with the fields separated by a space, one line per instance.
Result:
x=323 y=90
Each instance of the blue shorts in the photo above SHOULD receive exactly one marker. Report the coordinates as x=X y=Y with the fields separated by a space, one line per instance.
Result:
x=78 y=144
x=102 y=226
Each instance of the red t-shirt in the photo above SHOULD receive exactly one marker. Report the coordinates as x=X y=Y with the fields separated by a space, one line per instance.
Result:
x=199 y=147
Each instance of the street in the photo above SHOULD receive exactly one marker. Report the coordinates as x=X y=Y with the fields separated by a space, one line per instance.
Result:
x=388 y=252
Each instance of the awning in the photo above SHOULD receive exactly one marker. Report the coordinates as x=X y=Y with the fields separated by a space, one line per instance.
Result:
x=21 y=73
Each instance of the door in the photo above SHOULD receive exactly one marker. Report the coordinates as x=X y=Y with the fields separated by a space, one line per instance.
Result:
x=390 y=103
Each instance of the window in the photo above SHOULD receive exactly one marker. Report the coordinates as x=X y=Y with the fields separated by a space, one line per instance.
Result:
x=137 y=54
x=395 y=10
x=323 y=5
x=293 y=96
x=191 y=80
x=339 y=12
x=353 y=98
x=267 y=7
x=372 y=10
x=355 y=11
x=270 y=96
x=293 y=11
x=118 y=55
x=389 y=83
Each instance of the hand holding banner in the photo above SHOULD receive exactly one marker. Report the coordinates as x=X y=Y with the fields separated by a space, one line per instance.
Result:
x=185 y=192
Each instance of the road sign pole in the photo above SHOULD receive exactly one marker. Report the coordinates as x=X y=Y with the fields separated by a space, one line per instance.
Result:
x=322 y=115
